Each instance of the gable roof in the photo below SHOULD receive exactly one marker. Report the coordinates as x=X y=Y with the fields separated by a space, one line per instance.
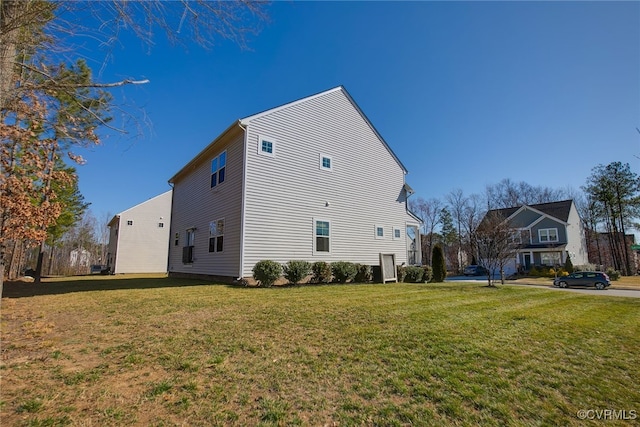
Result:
x=558 y=210
x=118 y=215
x=241 y=123
x=247 y=120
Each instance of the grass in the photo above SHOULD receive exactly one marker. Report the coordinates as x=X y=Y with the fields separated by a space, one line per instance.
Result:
x=162 y=352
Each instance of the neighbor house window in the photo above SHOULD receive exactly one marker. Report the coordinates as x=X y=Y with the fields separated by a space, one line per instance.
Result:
x=161 y=224
x=325 y=163
x=216 y=235
x=129 y=222
x=218 y=169
x=550 y=258
x=379 y=232
x=548 y=235
x=176 y=240
x=397 y=233
x=266 y=146
x=323 y=235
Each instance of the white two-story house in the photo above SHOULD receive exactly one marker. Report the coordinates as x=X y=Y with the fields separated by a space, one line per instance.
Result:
x=309 y=180
x=546 y=234
x=139 y=237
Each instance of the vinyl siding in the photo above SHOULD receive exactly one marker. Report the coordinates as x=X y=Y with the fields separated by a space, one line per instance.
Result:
x=549 y=223
x=576 y=245
x=196 y=204
x=285 y=193
x=142 y=247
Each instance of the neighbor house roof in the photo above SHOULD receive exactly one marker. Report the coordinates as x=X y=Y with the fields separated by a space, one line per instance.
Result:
x=559 y=210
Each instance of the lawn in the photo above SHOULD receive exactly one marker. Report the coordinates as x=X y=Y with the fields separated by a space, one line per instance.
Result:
x=163 y=352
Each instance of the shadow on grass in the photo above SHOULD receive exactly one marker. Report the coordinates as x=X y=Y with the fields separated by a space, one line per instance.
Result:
x=50 y=287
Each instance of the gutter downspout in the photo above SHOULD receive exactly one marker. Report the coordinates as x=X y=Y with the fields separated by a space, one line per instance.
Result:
x=244 y=198
x=170 y=227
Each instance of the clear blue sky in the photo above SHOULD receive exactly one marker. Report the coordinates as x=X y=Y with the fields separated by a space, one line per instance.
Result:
x=466 y=94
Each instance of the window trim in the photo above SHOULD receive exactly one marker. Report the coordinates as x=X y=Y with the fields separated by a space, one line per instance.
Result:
x=393 y=233
x=548 y=240
x=321 y=162
x=274 y=143
x=217 y=171
x=216 y=235
x=377 y=228
x=315 y=236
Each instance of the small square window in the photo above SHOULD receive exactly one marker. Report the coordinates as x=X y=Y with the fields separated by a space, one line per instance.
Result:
x=160 y=224
x=326 y=163
x=129 y=222
x=266 y=146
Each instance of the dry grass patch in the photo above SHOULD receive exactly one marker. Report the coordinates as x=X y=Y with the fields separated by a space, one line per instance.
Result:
x=178 y=352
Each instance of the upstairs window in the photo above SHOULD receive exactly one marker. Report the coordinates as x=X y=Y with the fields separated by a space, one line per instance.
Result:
x=218 y=169
x=266 y=146
x=397 y=234
x=325 y=163
x=379 y=232
x=216 y=235
x=548 y=235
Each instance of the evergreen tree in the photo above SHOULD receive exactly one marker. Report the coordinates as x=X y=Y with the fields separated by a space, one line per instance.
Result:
x=568 y=265
x=438 y=265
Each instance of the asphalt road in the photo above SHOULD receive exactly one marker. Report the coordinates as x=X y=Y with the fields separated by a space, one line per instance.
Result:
x=610 y=292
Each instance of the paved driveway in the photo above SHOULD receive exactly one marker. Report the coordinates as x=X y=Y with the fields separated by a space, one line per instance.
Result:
x=610 y=292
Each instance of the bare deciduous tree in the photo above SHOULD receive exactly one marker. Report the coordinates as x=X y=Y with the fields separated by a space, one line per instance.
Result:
x=495 y=243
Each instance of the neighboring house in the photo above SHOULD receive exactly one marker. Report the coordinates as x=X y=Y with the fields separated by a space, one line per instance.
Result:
x=139 y=237
x=79 y=258
x=309 y=180
x=545 y=234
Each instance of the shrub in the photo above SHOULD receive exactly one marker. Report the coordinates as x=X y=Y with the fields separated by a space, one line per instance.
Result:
x=295 y=271
x=438 y=265
x=267 y=272
x=364 y=274
x=401 y=273
x=568 y=265
x=551 y=272
x=613 y=274
x=413 y=274
x=534 y=272
x=321 y=272
x=344 y=271
x=427 y=273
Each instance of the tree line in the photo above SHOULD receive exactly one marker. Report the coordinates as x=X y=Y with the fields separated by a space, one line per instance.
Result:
x=608 y=204
x=51 y=103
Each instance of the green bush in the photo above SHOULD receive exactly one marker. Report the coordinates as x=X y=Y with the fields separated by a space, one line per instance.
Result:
x=364 y=274
x=401 y=273
x=413 y=274
x=343 y=271
x=427 y=273
x=438 y=265
x=613 y=274
x=267 y=272
x=321 y=272
x=296 y=270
